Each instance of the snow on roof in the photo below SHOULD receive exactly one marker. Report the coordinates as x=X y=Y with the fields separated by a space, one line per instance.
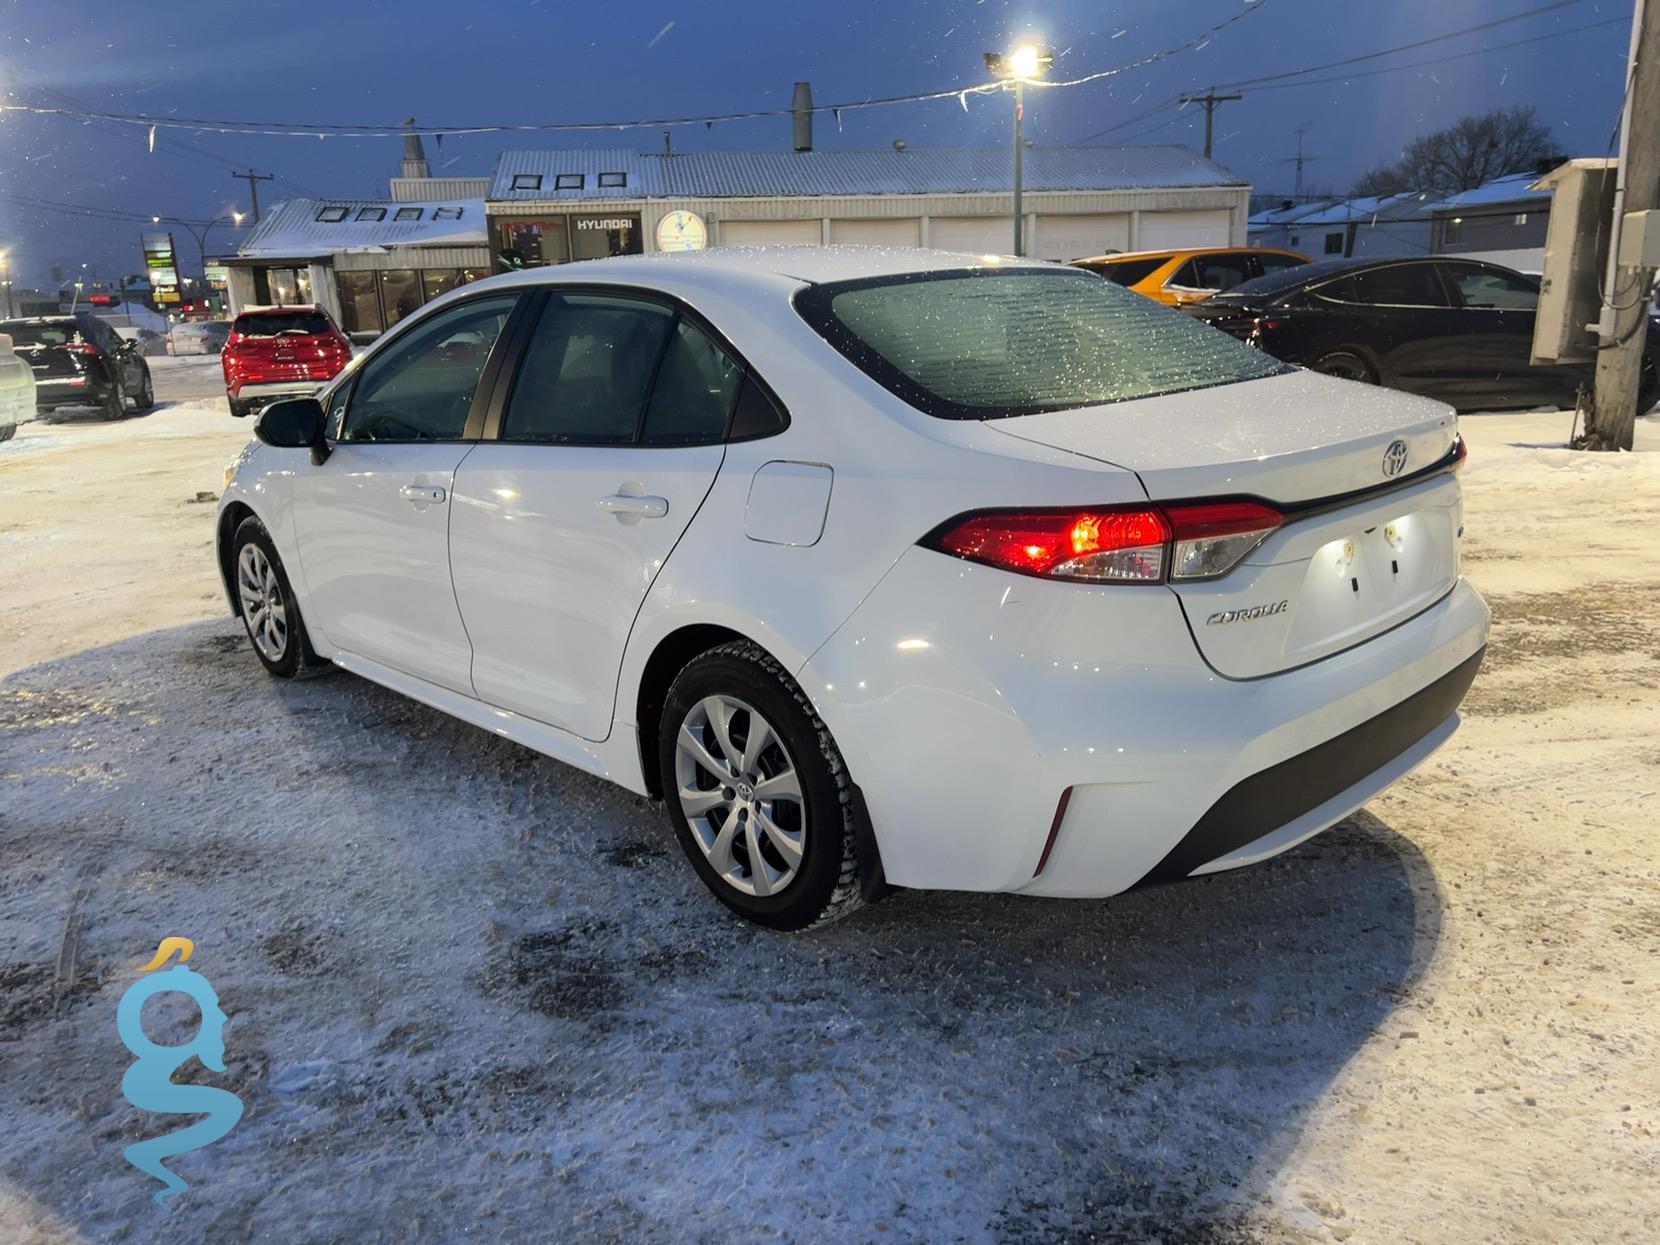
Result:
x=1374 y=207
x=310 y=228
x=580 y=174
x=1512 y=188
x=1288 y=215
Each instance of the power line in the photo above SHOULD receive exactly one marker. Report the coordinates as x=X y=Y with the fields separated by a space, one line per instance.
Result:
x=1176 y=100
x=298 y=129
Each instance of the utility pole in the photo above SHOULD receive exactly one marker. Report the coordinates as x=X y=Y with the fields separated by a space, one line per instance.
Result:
x=1209 y=99
x=253 y=179
x=1300 y=159
x=1611 y=422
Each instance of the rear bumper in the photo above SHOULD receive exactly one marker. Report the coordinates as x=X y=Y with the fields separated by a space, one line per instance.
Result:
x=270 y=391
x=967 y=701
x=53 y=392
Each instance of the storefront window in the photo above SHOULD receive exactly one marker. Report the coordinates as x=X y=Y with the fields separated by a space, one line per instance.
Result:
x=595 y=237
x=359 y=302
x=289 y=285
x=437 y=281
x=400 y=294
x=532 y=243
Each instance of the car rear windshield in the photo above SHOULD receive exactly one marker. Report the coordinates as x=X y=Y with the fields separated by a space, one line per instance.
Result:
x=50 y=333
x=280 y=323
x=1129 y=271
x=985 y=344
x=1273 y=283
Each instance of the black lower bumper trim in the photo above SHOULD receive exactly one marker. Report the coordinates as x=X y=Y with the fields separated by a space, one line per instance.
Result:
x=1280 y=794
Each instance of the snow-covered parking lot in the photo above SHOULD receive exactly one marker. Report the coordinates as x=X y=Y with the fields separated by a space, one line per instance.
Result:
x=475 y=994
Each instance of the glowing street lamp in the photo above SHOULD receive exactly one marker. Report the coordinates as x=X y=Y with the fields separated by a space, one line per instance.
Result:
x=1023 y=64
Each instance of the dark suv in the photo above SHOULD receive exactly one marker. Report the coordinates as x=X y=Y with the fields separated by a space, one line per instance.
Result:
x=79 y=360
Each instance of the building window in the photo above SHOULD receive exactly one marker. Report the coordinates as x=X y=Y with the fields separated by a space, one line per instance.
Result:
x=400 y=293
x=371 y=213
x=612 y=180
x=595 y=237
x=288 y=285
x=446 y=213
x=1294 y=239
x=1452 y=230
x=332 y=215
x=407 y=214
x=570 y=181
x=1334 y=244
x=359 y=303
x=527 y=181
x=1521 y=219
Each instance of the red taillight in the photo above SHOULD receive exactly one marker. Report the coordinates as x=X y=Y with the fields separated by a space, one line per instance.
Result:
x=1461 y=451
x=1111 y=544
x=80 y=348
x=1265 y=324
x=1097 y=545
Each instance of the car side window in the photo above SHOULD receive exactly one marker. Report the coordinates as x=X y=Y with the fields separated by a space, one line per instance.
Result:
x=1489 y=288
x=337 y=410
x=587 y=370
x=1187 y=274
x=1221 y=272
x=1399 y=285
x=421 y=387
x=696 y=386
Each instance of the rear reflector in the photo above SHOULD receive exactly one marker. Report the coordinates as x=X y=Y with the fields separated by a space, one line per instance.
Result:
x=1111 y=544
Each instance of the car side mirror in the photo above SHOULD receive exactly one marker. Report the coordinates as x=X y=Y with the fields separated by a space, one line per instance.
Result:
x=295 y=424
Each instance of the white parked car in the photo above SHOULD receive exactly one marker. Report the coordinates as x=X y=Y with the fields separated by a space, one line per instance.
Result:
x=880 y=567
x=17 y=390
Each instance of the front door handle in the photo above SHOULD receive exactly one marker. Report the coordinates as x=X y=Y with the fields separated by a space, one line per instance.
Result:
x=422 y=494
x=623 y=504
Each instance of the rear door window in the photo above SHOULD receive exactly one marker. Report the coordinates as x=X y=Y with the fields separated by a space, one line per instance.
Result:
x=984 y=343
x=1399 y=285
x=1130 y=271
x=1221 y=272
x=1488 y=288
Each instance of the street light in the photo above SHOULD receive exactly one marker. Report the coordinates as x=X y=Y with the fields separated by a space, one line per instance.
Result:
x=1025 y=63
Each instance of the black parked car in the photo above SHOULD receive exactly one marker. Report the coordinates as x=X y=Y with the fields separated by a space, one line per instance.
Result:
x=79 y=360
x=1454 y=329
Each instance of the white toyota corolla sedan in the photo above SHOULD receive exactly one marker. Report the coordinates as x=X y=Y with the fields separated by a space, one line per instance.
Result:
x=878 y=566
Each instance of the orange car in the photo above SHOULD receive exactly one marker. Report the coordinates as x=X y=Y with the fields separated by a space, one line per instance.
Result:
x=1191 y=274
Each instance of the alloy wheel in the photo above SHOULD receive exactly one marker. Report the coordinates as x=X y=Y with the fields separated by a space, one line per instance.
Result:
x=262 y=604
x=738 y=786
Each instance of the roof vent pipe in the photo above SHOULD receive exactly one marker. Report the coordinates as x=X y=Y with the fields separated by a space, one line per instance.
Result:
x=801 y=105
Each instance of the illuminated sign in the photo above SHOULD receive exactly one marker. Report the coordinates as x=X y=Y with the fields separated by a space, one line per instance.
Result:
x=161 y=265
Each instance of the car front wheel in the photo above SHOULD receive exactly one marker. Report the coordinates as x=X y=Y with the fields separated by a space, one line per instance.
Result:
x=267 y=607
x=757 y=791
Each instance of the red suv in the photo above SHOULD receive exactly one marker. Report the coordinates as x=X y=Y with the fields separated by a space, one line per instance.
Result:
x=279 y=352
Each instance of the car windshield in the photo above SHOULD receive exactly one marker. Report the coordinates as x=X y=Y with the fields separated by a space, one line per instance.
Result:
x=983 y=344
x=282 y=323
x=48 y=333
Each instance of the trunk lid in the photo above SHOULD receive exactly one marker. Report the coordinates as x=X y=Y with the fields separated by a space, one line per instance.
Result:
x=1335 y=574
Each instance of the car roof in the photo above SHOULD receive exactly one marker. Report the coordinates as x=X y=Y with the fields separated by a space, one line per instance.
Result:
x=1171 y=252
x=804 y=263
x=268 y=309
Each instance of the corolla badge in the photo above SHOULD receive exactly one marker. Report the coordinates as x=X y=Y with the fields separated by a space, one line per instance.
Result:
x=1249 y=614
x=1394 y=459
x=148 y=1083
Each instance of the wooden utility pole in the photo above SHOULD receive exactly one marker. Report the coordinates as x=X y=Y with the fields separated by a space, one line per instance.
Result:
x=253 y=179
x=1610 y=424
x=1210 y=99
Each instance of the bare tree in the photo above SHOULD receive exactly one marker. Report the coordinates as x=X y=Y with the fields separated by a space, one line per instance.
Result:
x=1466 y=154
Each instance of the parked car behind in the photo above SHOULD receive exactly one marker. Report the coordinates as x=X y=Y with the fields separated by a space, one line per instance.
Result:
x=78 y=360
x=149 y=342
x=1192 y=274
x=277 y=352
x=198 y=337
x=1459 y=330
x=877 y=564
x=17 y=390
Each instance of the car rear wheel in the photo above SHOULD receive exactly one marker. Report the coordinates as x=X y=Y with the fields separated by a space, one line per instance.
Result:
x=267 y=607
x=146 y=394
x=1346 y=365
x=757 y=791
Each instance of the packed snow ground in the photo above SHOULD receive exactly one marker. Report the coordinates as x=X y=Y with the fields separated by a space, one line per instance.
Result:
x=475 y=994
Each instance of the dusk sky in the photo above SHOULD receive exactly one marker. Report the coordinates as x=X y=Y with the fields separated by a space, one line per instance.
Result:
x=548 y=60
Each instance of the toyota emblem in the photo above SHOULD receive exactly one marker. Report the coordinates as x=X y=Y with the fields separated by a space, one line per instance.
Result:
x=1394 y=459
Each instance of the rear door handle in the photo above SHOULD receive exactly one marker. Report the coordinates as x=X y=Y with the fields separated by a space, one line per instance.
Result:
x=421 y=494
x=623 y=504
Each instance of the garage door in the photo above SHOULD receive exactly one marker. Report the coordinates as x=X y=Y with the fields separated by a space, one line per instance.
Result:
x=768 y=232
x=1078 y=236
x=978 y=235
x=1169 y=229
x=902 y=232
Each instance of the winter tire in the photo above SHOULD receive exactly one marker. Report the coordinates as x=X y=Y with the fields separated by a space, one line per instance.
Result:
x=267 y=607
x=757 y=791
x=115 y=402
x=147 y=394
x=1346 y=365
